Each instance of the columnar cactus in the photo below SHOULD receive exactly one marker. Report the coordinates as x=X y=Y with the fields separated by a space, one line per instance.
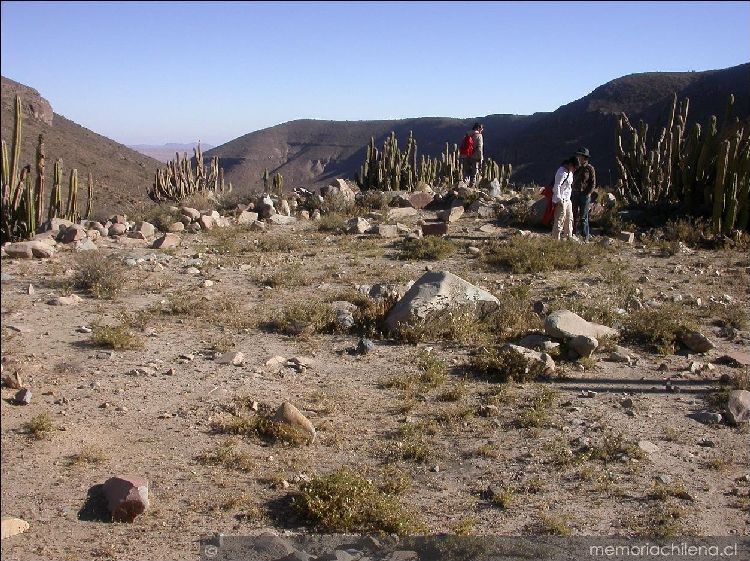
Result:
x=705 y=171
x=23 y=196
x=178 y=180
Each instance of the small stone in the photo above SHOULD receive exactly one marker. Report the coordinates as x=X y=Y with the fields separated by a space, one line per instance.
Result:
x=232 y=357
x=167 y=241
x=11 y=526
x=71 y=300
x=83 y=329
x=435 y=229
x=290 y=415
x=23 y=397
x=589 y=393
x=126 y=496
x=13 y=380
x=648 y=446
x=365 y=346
x=187 y=357
x=30 y=290
x=627 y=403
x=584 y=345
x=696 y=342
x=707 y=417
x=208 y=283
x=473 y=250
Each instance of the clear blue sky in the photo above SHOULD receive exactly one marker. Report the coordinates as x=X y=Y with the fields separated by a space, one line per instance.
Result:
x=181 y=71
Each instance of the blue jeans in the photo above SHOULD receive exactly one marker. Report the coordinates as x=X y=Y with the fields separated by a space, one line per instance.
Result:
x=581 y=205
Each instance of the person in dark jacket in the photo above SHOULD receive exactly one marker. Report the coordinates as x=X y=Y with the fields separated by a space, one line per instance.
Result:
x=584 y=183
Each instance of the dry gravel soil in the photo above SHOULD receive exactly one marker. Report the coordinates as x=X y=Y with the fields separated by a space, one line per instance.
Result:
x=148 y=411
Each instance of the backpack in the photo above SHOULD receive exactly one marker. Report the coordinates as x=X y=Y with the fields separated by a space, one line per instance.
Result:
x=467 y=146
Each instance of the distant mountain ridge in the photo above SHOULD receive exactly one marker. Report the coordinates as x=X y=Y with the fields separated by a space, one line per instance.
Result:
x=310 y=153
x=167 y=152
x=122 y=176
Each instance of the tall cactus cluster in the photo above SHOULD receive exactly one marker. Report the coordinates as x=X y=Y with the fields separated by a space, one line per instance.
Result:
x=179 y=180
x=706 y=170
x=278 y=184
x=23 y=199
x=393 y=169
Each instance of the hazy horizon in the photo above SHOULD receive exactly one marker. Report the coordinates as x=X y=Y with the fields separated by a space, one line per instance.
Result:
x=261 y=64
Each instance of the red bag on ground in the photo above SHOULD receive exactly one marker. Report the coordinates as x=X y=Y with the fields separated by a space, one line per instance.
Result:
x=549 y=212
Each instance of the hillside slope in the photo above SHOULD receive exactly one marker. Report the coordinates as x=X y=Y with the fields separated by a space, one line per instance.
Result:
x=310 y=153
x=121 y=175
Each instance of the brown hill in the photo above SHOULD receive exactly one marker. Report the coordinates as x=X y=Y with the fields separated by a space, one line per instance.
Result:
x=121 y=175
x=310 y=153
x=166 y=152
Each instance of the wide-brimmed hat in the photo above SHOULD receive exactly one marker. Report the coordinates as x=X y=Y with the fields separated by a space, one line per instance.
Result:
x=583 y=152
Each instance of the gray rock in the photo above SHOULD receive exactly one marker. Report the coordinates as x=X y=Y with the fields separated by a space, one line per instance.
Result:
x=232 y=357
x=706 y=417
x=388 y=230
x=126 y=496
x=86 y=244
x=648 y=446
x=538 y=341
x=365 y=346
x=584 y=345
x=436 y=291
x=537 y=363
x=400 y=213
x=738 y=406
x=357 y=225
x=452 y=214
x=246 y=217
x=72 y=234
x=564 y=324
x=282 y=220
x=696 y=342
x=23 y=396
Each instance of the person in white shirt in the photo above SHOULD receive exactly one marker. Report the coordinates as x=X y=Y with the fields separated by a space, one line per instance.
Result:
x=561 y=190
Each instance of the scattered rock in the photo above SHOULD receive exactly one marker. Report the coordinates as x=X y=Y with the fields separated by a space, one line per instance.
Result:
x=117 y=229
x=734 y=358
x=71 y=300
x=206 y=222
x=452 y=214
x=706 y=417
x=434 y=228
x=584 y=345
x=192 y=213
x=86 y=244
x=365 y=346
x=420 y=199
x=11 y=526
x=435 y=291
x=23 y=397
x=539 y=342
x=127 y=497
x=176 y=227
x=281 y=220
x=29 y=249
x=696 y=342
x=72 y=234
x=537 y=363
x=400 y=213
x=388 y=231
x=246 y=217
x=738 y=406
x=290 y=415
x=564 y=324
x=648 y=446
x=167 y=241
x=13 y=380
x=232 y=357
x=357 y=225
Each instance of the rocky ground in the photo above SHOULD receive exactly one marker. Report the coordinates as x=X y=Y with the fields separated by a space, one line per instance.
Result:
x=625 y=442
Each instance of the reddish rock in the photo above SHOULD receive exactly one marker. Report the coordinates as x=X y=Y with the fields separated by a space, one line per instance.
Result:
x=117 y=229
x=191 y=213
x=420 y=199
x=206 y=222
x=127 y=497
x=435 y=228
x=72 y=234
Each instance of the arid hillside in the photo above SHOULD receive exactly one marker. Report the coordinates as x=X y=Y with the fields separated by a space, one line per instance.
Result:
x=311 y=153
x=121 y=175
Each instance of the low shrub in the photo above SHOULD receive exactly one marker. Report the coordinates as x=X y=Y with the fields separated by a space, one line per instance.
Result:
x=525 y=254
x=659 y=327
x=98 y=276
x=429 y=248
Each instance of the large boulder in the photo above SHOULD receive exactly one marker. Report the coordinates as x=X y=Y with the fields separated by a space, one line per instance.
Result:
x=536 y=212
x=27 y=250
x=436 y=291
x=357 y=225
x=564 y=324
